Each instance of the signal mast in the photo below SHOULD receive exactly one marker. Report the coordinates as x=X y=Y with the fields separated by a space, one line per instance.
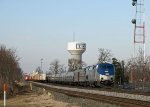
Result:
x=139 y=28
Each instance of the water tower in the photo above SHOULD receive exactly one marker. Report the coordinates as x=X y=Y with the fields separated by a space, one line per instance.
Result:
x=76 y=49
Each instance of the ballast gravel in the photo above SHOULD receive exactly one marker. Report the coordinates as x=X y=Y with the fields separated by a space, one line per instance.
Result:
x=76 y=101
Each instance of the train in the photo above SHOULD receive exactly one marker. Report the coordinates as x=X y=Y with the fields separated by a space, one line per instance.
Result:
x=37 y=76
x=94 y=75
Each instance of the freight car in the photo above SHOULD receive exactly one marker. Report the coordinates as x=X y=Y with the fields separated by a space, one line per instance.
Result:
x=35 y=76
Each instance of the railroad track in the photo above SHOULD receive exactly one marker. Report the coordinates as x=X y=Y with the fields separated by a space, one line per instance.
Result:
x=124 y=102
x=105 y=88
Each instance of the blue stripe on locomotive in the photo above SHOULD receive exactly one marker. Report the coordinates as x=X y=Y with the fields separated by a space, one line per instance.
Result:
x=105 y=68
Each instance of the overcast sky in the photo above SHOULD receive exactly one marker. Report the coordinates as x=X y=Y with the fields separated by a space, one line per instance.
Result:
x=42 y=28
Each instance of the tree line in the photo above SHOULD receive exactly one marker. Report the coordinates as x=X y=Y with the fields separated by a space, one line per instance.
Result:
x=10 y=70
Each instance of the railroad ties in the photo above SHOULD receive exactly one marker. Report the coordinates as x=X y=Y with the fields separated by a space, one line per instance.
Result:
x=122 y=99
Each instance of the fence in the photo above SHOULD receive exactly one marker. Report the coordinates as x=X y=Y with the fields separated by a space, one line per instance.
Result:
x=141 y=86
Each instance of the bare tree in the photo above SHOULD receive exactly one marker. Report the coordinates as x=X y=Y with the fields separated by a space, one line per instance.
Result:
x=139 y=68
x=75 y=64
x=56 y=67
x=9 y=67
x=105 y=55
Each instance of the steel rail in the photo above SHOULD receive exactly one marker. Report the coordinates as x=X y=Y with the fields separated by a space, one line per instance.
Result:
x=124 y=102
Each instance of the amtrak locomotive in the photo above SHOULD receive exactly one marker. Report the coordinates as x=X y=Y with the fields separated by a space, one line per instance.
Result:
x=94 y=75
x=106 y=72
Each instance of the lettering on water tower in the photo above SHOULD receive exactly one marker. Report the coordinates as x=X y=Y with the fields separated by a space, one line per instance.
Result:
x=80 y=46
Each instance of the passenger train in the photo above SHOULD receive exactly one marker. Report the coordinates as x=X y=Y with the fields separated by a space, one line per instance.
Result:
x=95 y=75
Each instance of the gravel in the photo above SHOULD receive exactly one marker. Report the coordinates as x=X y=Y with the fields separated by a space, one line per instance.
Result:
x=82 y=102
x=106 y=93
x=75 y=101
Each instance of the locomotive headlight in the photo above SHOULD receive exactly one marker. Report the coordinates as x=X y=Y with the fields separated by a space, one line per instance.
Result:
x=102 y=78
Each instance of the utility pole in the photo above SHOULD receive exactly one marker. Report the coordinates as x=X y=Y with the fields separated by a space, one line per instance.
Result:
x=41 y=64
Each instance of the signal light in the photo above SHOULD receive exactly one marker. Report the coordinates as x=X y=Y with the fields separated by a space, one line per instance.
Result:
x=134 y=2
x=133 y=21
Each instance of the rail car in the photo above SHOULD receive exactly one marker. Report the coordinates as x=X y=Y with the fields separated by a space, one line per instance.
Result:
x=35 y=76
x=94 y=75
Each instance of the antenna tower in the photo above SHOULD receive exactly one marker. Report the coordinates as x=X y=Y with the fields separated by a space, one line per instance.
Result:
x=73 y=36
x=139 y=28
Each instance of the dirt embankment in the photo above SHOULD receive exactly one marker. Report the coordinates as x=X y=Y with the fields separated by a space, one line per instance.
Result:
x=39 y=97
x=36 y=98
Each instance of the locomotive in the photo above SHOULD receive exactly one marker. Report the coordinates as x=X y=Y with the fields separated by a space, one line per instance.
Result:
x=94 y=75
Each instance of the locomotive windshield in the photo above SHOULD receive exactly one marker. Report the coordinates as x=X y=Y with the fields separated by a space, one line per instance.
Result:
x=105 y=69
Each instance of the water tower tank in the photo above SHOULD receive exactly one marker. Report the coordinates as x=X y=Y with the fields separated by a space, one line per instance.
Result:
x=76 y=49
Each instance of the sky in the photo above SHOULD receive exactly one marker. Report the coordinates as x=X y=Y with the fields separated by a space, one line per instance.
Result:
x=42 y=28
